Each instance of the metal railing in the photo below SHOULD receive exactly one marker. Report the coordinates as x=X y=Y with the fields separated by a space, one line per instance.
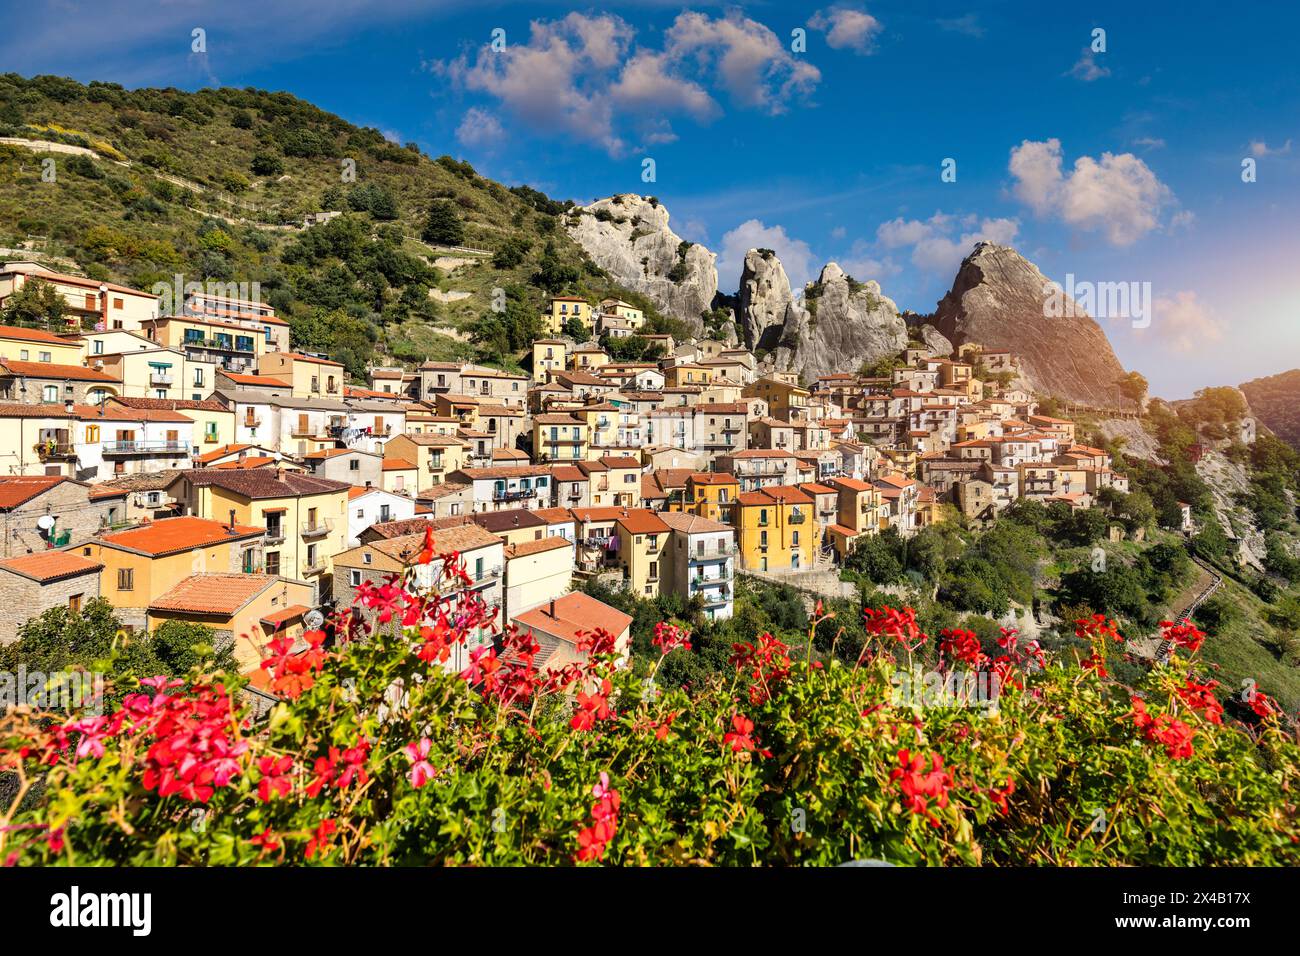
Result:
x=507 y=495
x=160 y=378
x=144 y=447
x=319 y=529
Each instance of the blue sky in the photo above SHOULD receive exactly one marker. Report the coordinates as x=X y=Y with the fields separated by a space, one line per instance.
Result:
x=1115 y=166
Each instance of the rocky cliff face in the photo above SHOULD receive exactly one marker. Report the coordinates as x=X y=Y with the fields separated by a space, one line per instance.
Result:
x=840 y=324
x=628 y=236
x=1275 y=401
x=998 y=300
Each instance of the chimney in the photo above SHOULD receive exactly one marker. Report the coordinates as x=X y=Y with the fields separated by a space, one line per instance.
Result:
x=232 y=520
x=552 y=608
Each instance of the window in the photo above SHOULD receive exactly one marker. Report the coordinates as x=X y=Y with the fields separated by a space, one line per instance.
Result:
x=198 y=378
x=74 y=603
x=126 y=579
x=365 y=558
x=98 y=347
x=354 y=578
x=50 y=393
x=92 y=433
x=311 y=555
x=273 y=563
x=354 y=464
x=44 y=356
x=117 y=304
x=385 y=513
x=478 y=569
x=24 y=355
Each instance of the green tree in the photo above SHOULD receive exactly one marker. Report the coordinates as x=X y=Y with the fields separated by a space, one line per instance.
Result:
x=442 y=227
x=36 y=305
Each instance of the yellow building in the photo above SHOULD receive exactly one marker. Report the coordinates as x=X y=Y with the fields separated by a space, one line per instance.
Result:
x=400 y=476
x=226 y=344
x=860 y=511
x=158 y=373
x=90 y=301
x=688 y=374
x=35 y=345
x=537 y=571
x=603 y=422
x=776 y=529
x=146 y=561
x=305 y=517
x=641 y=539
x=559 y=437
x=623 y=310
x=311 y=377
x=549 y=355
x=588 y=357
x=561 y=308
x=786 y=400
x=247 y=610
x=613 y=481
x=434 y=456
x=709 y=495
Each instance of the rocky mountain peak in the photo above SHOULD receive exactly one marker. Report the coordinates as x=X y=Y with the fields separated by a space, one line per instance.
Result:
x=629 y=237
x=840 y=324
x=997 y=300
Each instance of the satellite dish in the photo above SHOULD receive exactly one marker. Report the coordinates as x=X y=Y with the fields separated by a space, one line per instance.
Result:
x=45 y=522
x=313 y=620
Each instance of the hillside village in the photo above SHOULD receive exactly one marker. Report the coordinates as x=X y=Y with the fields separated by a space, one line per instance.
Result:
x=194 y=467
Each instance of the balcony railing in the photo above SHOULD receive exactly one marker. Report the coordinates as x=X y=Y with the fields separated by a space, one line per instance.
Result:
x=508 y=495
x=49 y=450
x=275 y=535
x=798 y=517
x=315 y=568
x=318 y=529
x=160 y=378
x=145 y=448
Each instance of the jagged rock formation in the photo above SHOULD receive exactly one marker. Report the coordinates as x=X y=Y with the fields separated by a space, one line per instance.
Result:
x=1275 y=401
x=998 y=301
x=765 y=300
x=1229 y=483
x=935 y=341
x=841 y=323
x=628 y=236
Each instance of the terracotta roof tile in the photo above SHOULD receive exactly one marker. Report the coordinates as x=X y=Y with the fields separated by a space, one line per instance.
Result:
x=19 y=489
x=46 y=566
x=213 y=594
x=173 y=535
x=573 y=613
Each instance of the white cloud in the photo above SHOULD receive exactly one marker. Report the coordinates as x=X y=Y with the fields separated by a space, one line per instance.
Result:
x=1149 y=142
x=862 y=265
x=747 y=59
x=1117 y=194
x=584 y=76
x=1261 y=149
x=795 y=254
x=935 y=248
x=1184 y=323
x=1086 y=68
x=968 y=24
x=847 y=29
x=839 y=232
x=480 y=129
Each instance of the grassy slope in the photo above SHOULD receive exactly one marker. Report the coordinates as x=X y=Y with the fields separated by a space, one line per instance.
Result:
x=170 y=134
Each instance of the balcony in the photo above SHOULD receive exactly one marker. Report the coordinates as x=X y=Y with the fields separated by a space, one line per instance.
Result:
x=318 y=530
x=251 y=422
x=798 y=517
x=315 y=568
x=111 y=448
x=507 y=495
x=160 y=378
x=275 y=534
x=52 y=450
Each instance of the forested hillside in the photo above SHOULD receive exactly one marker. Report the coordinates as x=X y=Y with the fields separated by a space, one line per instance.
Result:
x=216 y=185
